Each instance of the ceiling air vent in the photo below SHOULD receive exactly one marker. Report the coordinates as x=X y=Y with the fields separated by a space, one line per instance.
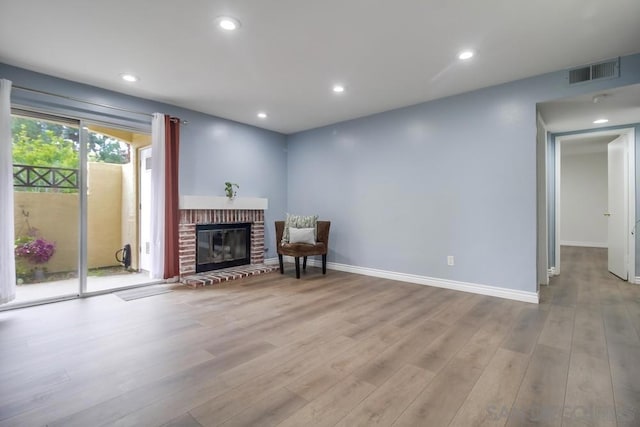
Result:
x=602 y=70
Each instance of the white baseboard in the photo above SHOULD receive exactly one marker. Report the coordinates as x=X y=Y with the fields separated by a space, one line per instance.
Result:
x=552 y=271
x=583 y=244
x=637 y=280
x=494 y=291
x=272 y=261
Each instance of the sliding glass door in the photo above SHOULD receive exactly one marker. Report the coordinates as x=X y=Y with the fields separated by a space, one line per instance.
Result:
x=46 y=171
x=114 y=206
x=76 y=207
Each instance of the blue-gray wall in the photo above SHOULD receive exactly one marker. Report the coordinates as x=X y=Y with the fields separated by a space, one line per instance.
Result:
x=403 y=189
x=212 y=150
x=455 y=176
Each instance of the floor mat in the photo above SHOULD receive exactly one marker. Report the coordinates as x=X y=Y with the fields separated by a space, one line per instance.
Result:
x=147 y=291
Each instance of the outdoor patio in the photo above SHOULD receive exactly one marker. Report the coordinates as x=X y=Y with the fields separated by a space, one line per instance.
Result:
x=58 y=288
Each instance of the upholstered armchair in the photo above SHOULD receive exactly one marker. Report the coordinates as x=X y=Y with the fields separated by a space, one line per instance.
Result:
x=304 y=250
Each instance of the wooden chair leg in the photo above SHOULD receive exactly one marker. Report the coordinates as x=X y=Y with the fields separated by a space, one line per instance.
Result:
x=304 y=264
x=324 y=264
x=281 y=264
x=297 y=267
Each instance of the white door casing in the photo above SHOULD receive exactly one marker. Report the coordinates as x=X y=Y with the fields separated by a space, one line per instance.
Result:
x=542 y=226
x=629 y=189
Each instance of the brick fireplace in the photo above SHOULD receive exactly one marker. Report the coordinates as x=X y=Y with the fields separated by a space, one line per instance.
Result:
x=189 y=218
x=199 y=210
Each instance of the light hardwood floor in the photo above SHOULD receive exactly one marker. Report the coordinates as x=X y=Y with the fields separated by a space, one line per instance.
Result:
x=339 y=349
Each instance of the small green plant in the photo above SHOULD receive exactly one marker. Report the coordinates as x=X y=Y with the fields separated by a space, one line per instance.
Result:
x=95 y=272
x=228 y=189
x=24 y=271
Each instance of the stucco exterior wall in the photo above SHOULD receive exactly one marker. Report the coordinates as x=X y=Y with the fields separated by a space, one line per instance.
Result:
x=56 y=217
x=104 y=220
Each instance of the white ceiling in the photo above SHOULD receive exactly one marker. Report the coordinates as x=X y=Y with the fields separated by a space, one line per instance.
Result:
x=288 y=53
x=620 y=106
x=586 y=145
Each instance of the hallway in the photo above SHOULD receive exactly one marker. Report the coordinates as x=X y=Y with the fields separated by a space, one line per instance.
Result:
x=598 y=319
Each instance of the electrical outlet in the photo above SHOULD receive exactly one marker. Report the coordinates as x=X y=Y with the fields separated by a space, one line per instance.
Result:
x=450 y=260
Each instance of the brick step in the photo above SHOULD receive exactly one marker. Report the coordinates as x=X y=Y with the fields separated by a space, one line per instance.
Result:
x=226 y=274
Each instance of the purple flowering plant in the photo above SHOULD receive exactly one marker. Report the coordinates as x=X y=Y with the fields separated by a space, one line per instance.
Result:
x=36 y=251
x=31 y=247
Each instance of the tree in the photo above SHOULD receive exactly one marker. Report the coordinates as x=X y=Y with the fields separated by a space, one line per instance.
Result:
x=36 y=145
x=43 y=143
x=108 y=150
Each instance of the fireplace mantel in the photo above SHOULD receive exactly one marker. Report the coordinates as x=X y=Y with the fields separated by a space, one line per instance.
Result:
x=223 y=203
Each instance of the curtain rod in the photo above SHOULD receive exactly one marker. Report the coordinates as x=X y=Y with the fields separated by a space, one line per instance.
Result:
x=71 y=98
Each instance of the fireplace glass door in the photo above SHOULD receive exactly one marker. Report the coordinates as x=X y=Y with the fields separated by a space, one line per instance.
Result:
x=222 y=245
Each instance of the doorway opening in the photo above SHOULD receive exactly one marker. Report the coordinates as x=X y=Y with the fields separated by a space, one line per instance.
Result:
x=595 y=196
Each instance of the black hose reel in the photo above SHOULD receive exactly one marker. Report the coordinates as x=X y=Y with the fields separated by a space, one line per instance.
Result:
x=123 y=256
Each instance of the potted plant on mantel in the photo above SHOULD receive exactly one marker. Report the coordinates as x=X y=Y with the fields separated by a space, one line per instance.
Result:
x=229 y=189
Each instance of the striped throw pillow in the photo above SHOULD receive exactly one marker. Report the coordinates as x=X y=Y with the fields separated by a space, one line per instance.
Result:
x=300 y=221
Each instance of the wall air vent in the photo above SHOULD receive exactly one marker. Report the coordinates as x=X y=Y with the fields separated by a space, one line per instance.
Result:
x=579 y=75
x=600 y=71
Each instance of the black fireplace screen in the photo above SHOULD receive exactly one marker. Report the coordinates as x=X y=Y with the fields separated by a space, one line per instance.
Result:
x=222 y=245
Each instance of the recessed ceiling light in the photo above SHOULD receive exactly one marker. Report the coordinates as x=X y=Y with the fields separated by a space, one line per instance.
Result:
x=465 y=54
x=228 y=23
x=127 y=77
x=338 y=88
x=262 y=115
x=600 y=121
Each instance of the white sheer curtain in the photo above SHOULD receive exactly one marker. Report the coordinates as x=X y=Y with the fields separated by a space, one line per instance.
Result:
x=157 y=195
x=7 y=257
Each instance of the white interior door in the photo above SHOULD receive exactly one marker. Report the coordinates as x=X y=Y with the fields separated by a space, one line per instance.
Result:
x=145 y=208
x=618 y=207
